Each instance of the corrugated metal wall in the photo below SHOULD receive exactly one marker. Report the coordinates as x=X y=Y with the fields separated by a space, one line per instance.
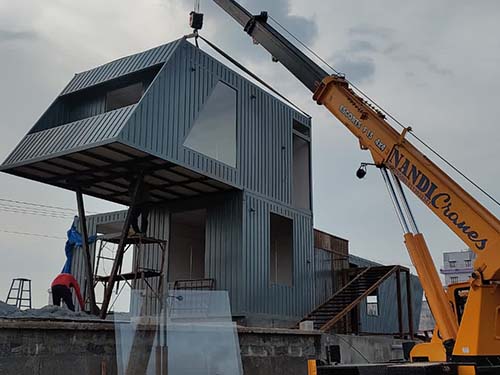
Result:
x=224 y=258
x=90 y=131
x=387 y=320
x=257 y=294
x=121 y=67
x=323 y=276
x=237 y=255
x=168 y=110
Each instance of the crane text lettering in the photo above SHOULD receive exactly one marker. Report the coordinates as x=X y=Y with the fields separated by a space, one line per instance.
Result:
x=364 y=129
x=430 y=193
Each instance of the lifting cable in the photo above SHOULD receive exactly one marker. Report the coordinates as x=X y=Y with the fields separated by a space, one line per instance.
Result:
x=253 y=75
x=425 y=144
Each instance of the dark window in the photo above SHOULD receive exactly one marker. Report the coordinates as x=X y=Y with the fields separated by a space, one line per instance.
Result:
x=468 y=263
x=452 y=263
x=281 y=254
x=372 y=304
x=301 y=128
x=124 y=96
x=214 y=131
x=301 y=173
x=453 y=279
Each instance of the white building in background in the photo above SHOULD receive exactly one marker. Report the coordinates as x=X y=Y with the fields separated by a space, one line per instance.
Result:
x=457 y=266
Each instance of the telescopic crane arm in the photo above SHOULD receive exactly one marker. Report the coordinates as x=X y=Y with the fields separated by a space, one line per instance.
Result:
x=392 y=152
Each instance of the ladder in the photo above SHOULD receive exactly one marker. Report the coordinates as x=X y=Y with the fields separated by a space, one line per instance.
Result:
x=20 y=293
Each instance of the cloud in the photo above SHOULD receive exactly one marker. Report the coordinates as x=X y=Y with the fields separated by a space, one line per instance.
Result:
x=372 y=31
x=16 y=36
x=356 y=69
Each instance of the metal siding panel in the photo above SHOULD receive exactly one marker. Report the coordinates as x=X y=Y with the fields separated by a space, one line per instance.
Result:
x=262 y=296
x=121 y=67
x=66 y=138
x=387 y=320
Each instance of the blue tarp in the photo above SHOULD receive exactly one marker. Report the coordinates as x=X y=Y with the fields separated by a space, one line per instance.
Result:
x=74 y=240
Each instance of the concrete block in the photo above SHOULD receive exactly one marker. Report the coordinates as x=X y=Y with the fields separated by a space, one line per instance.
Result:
x=306 y=325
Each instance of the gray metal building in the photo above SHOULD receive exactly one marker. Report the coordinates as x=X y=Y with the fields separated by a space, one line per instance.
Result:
x=228 y=170
x=220 y=156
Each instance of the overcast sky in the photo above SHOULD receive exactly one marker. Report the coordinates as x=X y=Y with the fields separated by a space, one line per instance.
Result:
x=434 y=65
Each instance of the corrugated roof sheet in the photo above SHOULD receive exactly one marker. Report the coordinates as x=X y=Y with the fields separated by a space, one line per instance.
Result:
x=70 y=136
x=121 y=67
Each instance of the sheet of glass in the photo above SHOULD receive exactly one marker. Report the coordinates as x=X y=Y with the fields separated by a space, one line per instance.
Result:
x=202 y=339
x=136 y=337
x=193 y=335
x=214 y=130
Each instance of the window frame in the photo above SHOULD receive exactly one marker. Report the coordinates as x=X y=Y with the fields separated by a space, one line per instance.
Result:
x=376 y=304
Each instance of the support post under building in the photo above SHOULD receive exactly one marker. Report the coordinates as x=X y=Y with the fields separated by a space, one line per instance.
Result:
x=86 y=250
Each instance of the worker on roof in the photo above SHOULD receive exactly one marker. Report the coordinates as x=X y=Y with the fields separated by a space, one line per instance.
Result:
x=61 y=291
x=141 y=209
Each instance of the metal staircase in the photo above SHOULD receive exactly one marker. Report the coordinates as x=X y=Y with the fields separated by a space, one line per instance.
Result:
x=326 y=315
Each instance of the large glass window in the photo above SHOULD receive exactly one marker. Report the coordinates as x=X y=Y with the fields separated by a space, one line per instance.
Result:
x=281 y=254
x=301 y=173
x=214 y=131
x=124 y=96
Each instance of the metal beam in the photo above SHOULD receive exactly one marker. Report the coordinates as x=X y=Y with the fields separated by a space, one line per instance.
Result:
x=409 y=305
x=86 y=250
x=400 y=303
x=300 y=65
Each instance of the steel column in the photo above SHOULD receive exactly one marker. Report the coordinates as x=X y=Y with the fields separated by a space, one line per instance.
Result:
x=86 y=250
x=400 y=307
x=409 y=305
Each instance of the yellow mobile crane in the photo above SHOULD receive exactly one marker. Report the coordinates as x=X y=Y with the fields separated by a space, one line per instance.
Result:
x=476 y=340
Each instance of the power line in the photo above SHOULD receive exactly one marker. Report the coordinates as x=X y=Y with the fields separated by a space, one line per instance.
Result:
x=34 y=213
x=37 y=204
x=32 y=234
x=420 y=140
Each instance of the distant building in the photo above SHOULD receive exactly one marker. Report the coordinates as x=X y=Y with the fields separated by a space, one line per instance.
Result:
x=457 y=266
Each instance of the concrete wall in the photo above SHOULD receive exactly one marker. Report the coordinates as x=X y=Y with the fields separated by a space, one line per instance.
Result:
x=52 y=348
x=366 y=349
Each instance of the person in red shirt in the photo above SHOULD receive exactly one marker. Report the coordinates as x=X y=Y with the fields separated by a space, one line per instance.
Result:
x=61 y=291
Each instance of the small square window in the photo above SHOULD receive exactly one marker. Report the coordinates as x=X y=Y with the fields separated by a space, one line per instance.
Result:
x=468 y=263
x=452 y=263
x=372 y=305
x=453 y=279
